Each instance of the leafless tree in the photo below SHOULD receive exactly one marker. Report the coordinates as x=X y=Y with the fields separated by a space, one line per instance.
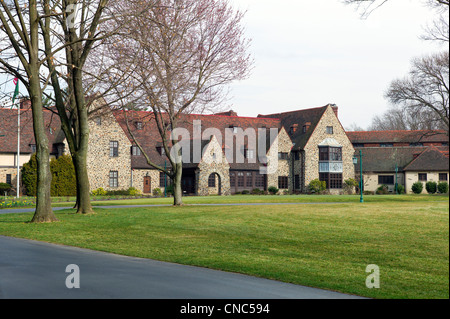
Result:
x=182 y=55
x=426 y=88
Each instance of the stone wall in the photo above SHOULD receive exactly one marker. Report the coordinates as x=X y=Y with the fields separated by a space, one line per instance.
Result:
x=279 y=167
x=99 y=161
x=213 y=161
x=311 y=161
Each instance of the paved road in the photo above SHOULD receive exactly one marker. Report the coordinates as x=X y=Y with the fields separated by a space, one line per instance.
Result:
x=37 y=270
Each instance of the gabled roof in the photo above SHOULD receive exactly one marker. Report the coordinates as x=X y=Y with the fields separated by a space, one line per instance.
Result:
x=300 y=118
x=149 y=135
x=363 y=137
x=432 y=159
x=384 y=159
x=8 y=128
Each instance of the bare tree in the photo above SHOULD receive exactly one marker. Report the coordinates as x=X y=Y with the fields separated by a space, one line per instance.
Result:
x=426 y=88
x=21 y=44
x=187 y=51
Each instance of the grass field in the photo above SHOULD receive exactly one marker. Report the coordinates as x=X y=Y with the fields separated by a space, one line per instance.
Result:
x=325 y=246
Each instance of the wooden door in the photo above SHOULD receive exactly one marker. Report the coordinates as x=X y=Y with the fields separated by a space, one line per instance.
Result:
x=147 y=184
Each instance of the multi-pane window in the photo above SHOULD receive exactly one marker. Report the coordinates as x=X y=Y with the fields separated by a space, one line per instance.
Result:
x=330 y=153
x=259 y=181
x=135 y=150
x=250 y=154
x=113 y=179
x=240 y=179
x=8 y=179
x=386 y=145
x=443 y=177
x=283 y=156
x=232 y=179
x=139 y=125
x=113 y=149
x=329 y=130
x=423 y=177
x=163 y=179
x=333 y=180
x=212 y=180
x=386 y=179
x=283 y=182
x=248 y=179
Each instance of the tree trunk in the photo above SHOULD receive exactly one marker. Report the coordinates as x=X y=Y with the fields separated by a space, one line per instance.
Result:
x=177 y=188
x=83 y=203
x=44 y=212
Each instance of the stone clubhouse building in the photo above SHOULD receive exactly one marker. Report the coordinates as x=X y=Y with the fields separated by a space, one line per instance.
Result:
x=225 y=154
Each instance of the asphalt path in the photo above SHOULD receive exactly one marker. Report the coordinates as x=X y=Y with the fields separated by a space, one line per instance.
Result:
x=38 y=270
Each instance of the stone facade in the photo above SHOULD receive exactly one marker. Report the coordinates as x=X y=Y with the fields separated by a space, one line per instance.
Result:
x=311 y=150
x=104 y=129
x=279 y=165
x=213 y=162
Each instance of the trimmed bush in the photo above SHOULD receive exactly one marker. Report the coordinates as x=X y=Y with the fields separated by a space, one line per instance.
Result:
x=273 y=190
x=63 y=177
x=400 y=189
x=157 y=192
x=382 y=190
x=317 y=187
x=132 y=191
x=417 y=187
x=245 y=192
x=349 y=185
x=4 y=188
x=29 y=176
x=443 y=187
x=99 y=192
x=431 y=187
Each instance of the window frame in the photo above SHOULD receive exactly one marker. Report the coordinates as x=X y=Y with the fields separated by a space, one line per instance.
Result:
x=330 y=130
x=113 y=148
x=113 y=179
x=441 y=175
x=283 y=182
x=422 y=177
x=212 y=180
x=386 y=180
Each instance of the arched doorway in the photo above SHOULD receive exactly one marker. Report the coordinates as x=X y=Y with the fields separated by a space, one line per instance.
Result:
x=214 y=184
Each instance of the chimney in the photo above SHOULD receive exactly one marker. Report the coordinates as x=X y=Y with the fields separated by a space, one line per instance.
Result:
x=294 y=128
x=25 y=103
x=335 y=109
x=306 y=127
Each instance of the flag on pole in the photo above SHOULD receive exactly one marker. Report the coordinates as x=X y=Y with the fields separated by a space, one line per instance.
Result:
x=16 y=92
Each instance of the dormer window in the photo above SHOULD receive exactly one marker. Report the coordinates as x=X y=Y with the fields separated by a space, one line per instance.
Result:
x=139 y=125
x=161 y=150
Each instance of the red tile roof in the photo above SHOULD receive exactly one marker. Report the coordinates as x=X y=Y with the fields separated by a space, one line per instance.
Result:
x=367 y=137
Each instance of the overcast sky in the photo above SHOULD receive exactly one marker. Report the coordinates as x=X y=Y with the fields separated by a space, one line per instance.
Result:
x=311 y=53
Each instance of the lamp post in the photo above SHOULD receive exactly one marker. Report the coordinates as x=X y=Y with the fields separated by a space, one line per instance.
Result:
x=355 y=161
x=396 y=179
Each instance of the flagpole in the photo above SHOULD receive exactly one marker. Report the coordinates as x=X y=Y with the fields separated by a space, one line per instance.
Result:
x=18 y=151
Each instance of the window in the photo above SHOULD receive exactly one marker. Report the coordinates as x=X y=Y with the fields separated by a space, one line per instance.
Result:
x=334 y=181
x=139 y=125
x=358 y=144
x=386 y=145
x=240 y=179
x=248 y=179
x=443 y=177
x=329 y=130
x=135 y=150
x=423 y=177
x=232 y=179
x=386 y=179
x=8 y=179
x=416 y=144
x=164 y=180
x=297 y=156
x=283 y=182
x=98 y=120
x=113 y=149
x=297 y=181
x=161 y=150
x=250 y=154
x=212 y=180
x=113 y=179
x=283 y=156
x=330 y=154
x=260 y=181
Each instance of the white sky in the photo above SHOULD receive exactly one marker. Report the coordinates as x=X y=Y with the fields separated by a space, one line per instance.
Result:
x=311 y=53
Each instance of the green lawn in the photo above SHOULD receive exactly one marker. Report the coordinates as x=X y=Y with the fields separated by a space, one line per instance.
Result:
x=262 y=199
x=325 y=246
